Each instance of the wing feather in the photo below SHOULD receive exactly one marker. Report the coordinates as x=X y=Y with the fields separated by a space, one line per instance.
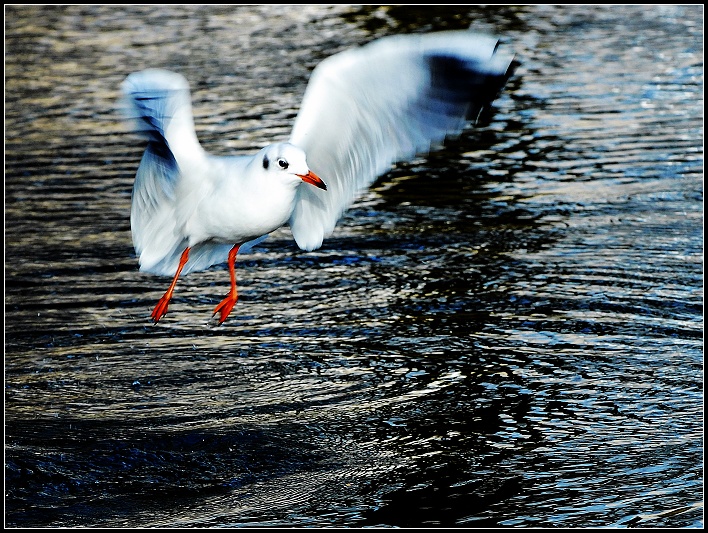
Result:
x=387 y=101
x=159 y=102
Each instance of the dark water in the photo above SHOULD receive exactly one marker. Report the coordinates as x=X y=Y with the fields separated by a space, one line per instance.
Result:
x=506 y=333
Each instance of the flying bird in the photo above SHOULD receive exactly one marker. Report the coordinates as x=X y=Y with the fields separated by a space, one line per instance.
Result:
x=363 y=110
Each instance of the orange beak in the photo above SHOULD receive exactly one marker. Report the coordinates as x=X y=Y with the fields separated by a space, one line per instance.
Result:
x=313 y=179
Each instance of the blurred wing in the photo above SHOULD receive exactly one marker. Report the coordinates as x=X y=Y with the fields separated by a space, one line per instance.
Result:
x=369 y=107
x=160 y=104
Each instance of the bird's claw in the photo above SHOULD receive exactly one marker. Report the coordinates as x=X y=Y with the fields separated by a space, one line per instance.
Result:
x=224 y=308
x=160 y=310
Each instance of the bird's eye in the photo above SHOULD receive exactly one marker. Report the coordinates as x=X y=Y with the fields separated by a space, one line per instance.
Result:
x=282 y=163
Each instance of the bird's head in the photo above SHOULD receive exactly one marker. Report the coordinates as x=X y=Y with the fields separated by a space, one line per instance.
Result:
x=287 y=162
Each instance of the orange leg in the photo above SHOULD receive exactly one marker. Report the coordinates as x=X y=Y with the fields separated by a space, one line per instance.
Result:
x=161 y=307
x=227 y=304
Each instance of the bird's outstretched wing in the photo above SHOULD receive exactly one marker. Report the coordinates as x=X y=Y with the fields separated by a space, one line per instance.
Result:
x=387 y=101
x=159 y=102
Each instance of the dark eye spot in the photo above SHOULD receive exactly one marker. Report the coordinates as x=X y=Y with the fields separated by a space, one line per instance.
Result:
x=265 y=162
x=283 y=163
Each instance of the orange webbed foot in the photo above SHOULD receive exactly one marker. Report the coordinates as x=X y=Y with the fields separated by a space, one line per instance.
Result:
x=225 y=307
x=160 y=309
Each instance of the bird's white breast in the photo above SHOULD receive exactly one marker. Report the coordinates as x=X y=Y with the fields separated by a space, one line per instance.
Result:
x=241 y=203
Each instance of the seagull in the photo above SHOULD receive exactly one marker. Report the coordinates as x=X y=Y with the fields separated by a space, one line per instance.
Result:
x=363 y=110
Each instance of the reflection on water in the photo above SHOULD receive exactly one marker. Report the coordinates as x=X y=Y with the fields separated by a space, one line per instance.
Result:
x=505 y=333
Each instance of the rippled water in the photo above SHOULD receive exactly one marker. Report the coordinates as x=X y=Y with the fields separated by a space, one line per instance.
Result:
x=508 y=332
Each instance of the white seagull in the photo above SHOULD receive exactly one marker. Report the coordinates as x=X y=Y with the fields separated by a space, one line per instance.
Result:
x=363 y=109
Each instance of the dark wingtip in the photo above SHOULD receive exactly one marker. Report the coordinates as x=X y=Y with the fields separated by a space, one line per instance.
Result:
x=471 y=85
